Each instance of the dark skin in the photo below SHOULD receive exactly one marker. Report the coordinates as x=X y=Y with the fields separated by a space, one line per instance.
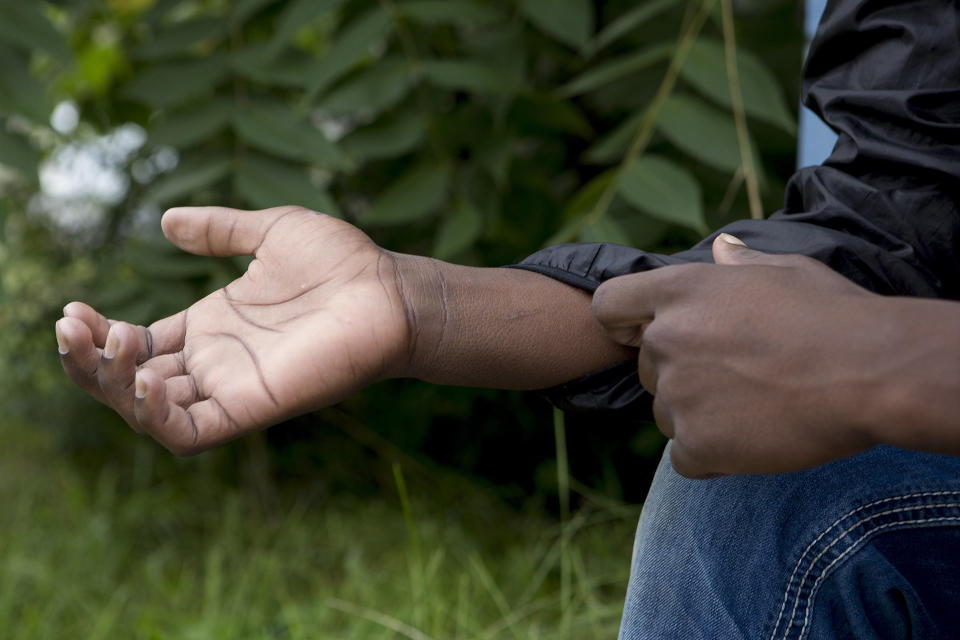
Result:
x=771 y=363
x=759 y=363
x=320 y=313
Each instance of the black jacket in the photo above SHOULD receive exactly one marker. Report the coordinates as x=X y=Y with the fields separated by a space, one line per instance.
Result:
x=882 y=210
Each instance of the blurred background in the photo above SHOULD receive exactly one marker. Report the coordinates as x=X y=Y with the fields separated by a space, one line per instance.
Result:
x=475 y=131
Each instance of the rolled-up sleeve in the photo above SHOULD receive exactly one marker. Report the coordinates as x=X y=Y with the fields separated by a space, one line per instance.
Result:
x=882 y=210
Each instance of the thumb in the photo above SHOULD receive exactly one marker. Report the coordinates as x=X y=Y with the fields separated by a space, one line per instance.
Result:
x=623 y=305
x=220 y=231
x=728 y=249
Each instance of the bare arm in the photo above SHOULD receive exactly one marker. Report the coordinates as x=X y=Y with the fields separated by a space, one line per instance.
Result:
x=320 y=313
x=503 y=328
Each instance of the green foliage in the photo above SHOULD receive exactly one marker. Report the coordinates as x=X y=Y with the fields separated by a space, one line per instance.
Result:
x=162 y=548
x=472 y=130
x=663 y=190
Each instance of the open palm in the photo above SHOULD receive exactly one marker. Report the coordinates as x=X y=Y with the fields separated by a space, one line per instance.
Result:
x=318 y=314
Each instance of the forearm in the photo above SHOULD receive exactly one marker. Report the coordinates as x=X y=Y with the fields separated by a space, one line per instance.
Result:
x=917 y=392
x=504 y=328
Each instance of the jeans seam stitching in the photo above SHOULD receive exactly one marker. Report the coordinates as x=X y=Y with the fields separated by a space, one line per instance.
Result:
x=871 y=532
x=800 y=561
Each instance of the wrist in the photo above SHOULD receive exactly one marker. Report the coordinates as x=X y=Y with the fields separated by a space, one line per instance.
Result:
x=423 y=299
x=915 y=401
x=869 y=399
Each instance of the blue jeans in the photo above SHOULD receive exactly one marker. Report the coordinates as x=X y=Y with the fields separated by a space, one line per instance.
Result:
x=865 y=547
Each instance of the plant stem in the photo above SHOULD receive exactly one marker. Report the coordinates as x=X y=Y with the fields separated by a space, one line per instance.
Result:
x=739 y=114
x=648 y=121
x=409 y=46
x=563 y=493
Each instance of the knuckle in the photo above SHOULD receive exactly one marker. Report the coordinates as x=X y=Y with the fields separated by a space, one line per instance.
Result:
x=699 y=447
x=660 y=338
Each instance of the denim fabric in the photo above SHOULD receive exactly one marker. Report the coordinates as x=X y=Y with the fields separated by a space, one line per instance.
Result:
x=865 y=547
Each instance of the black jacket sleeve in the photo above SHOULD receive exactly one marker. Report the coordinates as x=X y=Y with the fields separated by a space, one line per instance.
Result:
x=882 y=210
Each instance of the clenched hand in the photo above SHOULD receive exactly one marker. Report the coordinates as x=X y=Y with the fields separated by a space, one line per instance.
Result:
x=759 y=363
x=319 y=313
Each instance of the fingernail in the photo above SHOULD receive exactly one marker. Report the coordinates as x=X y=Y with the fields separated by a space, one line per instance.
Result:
x=729 y=239
x=139 y=387
x=62 y=345
x=112 y=345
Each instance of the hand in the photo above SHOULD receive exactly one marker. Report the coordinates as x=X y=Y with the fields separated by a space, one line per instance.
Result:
x=319 y=313
x=758 y=364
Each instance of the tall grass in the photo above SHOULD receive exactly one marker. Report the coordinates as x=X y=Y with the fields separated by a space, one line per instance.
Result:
x=139 y=553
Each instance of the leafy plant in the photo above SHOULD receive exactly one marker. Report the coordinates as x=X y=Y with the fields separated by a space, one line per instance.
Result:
x=471 y=130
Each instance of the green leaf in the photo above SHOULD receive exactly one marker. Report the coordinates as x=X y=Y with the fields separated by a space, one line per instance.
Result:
x=459 y=230
x=587 y=197
x=275 y=128
x=298 y=14
x=259 y=60
x=172 y=83
x=188 y=178
x=494 y=155
x=606 y=229
x=243 y=9
x=169 y=265
x=611 y=147
x=663 y=190
x=449 y=11
x=503 y=48
x=466 y=75
x=20 y=92
x=24 y=24
x=579 y=207
x=700 y=130
x=705 y=68
x=544 y=113
x=413 y=196
x=386 y=138
x=192 y=126
x=98 y=65
x=569 y=21
x=375 y=89
x=16 y=153
x=630 y=20
x=356 y=41
x=615 y=69
x=180 y=37
x=264 y=182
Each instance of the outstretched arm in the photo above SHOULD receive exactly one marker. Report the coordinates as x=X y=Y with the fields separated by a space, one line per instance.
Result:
x=320 y=313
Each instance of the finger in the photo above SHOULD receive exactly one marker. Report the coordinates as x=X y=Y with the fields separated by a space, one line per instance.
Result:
x=728 y=249
x=684 y=464
x=647 y=371
x=183 y=391
x=163 y=336
x=115 y=371
x=167 y=365
x=182 y=431
x=152 y=411
x=79 y=356
x=221 y=231
x=624 y=304
x=160 y=338
x=98 y=324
